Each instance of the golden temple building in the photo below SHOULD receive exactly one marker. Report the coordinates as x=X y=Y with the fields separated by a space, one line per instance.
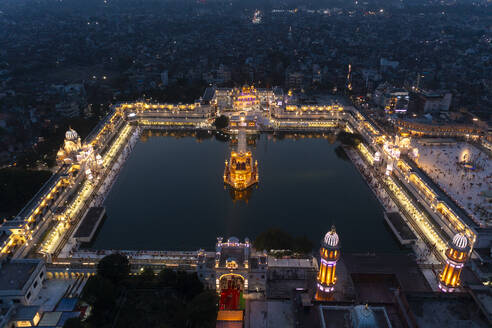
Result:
x=456 y=256
x=241 y=172
x=329 y=253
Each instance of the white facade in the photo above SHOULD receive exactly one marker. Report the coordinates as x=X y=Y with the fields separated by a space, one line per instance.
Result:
x=21 y=281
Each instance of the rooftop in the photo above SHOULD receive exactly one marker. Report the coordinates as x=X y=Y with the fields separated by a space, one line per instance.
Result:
x=15 y=274
x=50 y=319
x=36 y=200
x=25 y=313
x=403 y=266
x=401 y=226
x=88 y=225
x=446 y=312
x=354 y=316
x=290 y=263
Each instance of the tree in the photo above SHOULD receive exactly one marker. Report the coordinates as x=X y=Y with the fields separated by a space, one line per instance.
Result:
x=147 y=274
x=278 y=239
x=73 y=323
x=101 y=293
x=349 y=139
x=146 y=277
x=114 y=267
x=273 y=238
x=167 y=277
x=99 y=290
x=17 y=186
x=340 y=152
x=303 y=244
x=188 y=284
x=221 y=122
x=202 y=310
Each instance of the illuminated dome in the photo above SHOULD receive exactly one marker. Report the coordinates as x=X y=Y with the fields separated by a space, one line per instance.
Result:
x=460 y=241
x=71 y=135
x=362 y=317
x=331 y=238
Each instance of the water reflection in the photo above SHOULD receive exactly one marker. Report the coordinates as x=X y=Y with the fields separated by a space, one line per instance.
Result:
x=170 y=193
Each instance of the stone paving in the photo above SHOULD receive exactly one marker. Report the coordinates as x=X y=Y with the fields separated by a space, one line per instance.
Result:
x=464 y=173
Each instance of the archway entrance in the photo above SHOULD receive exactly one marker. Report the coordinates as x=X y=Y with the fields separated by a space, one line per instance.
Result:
x=231 y=288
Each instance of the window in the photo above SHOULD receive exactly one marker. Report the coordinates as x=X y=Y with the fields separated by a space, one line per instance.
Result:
x=41 y=274
x=28 y=296
x=16 y=301
x=35 y=284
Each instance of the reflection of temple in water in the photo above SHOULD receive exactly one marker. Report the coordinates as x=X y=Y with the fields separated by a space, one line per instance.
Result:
x=331 y=137
x=240 y=172
x=250 y=140
x=241 y=195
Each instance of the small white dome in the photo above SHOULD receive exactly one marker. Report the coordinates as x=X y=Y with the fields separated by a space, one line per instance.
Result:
x=233 y=240
x=331 y=238
x=71 y=134
x=363 y=317
x=460 y=240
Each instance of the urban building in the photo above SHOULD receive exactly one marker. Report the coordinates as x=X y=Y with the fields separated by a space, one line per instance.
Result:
x=392 y=100
x=424 y=101
x=20 y=281
x=233 y=268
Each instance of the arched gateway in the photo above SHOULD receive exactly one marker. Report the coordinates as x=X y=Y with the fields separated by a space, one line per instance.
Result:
x=233 y=270
x=231 y=291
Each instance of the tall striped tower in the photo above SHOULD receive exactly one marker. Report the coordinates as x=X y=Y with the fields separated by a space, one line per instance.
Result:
x=456 y=256
x=330 y=253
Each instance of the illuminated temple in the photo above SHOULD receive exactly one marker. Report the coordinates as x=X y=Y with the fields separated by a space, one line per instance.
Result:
x=246 y=99
x=240 y=171
x=329 y=255
x=456 y=256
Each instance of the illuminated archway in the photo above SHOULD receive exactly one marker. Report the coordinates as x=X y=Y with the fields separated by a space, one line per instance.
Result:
x=231 y=288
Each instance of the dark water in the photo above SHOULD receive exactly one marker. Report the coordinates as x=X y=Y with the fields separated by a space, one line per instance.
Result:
x=170 y=196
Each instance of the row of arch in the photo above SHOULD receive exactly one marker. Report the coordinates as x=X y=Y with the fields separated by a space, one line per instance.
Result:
x=69 y=274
